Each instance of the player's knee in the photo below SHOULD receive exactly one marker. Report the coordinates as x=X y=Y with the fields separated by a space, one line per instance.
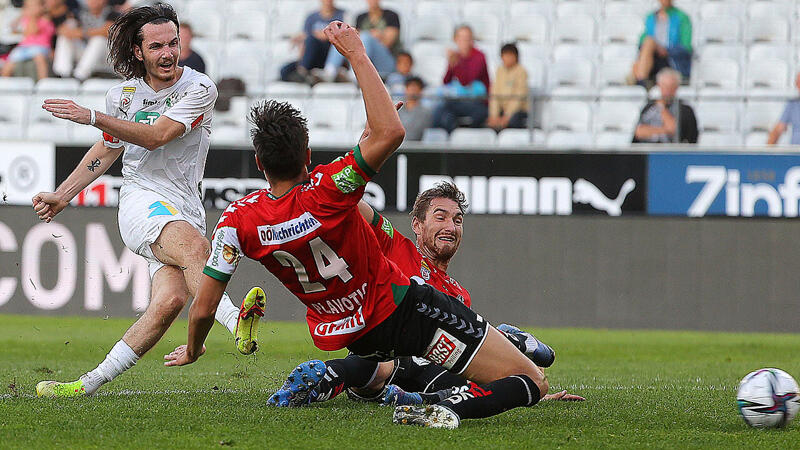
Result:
x=174 y=303
x=199 y=249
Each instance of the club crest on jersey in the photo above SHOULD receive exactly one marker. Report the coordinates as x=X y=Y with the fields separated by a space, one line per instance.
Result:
x=289 y=230
x=424 y=270
x=348 y=180
x=387 y=227
x=126 y=99
x=346 y=325
x=445 y=349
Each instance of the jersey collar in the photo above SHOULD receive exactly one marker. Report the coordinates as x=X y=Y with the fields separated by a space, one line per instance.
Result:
x=272 y=197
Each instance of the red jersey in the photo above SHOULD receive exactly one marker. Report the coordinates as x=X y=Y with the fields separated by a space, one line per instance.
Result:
x=314 y=240
x=404 y=252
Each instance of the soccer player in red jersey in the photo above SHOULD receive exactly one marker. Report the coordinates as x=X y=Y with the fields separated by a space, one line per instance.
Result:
x=307 y=231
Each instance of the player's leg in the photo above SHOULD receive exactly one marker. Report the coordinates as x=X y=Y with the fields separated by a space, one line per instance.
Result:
x=168 y=297
x=181 y=244
x=644 y=62
x=537 y=351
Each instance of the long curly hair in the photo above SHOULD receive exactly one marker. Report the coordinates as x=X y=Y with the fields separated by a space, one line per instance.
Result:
x=126 y=32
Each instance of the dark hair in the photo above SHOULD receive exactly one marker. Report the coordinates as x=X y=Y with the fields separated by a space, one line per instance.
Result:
x=417 y=80
x=510 y=48
x=280 y=138
x=441 y=190
x=126 y=32
x=406 y=54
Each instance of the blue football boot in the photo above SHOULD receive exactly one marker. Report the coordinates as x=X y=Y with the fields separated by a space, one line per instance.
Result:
x=537 y=351
x=298 y=389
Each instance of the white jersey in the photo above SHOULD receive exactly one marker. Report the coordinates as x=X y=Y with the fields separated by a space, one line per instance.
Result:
x=176 y=168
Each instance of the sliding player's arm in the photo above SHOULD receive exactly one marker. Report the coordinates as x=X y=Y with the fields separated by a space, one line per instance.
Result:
x=95 y=162
x=386 y=132
x=201 y=319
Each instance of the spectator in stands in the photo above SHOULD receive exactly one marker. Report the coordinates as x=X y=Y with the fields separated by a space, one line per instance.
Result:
x=60 y=11
x=416 y=118
x=508 y=103
x=380 y=32
x=38 y=32
x=189 y=57
x=396 y=81
x=665 y=42
x=466 y=85
x=667 y=120
x=84 y=41
x=314 y=44
x=790 y=116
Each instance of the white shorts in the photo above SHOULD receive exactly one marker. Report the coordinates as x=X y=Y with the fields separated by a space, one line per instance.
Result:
x=144 y=213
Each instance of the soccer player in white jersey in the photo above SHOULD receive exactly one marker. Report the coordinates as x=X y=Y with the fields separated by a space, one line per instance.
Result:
x=160 y=119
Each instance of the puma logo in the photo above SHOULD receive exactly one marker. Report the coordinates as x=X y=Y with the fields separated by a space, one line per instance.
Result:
x=587 y=193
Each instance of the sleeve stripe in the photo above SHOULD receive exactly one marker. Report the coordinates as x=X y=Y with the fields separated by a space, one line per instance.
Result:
x=361 y=163
x=216 y=274
x=376 y=218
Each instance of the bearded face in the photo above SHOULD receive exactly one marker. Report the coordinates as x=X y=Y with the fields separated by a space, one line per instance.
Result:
x=439 y=235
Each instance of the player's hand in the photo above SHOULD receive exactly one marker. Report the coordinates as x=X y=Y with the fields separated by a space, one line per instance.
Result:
x=563 y=396
x=48 y=204
x=345 y=38
x=179 y=356
x=67 y=109
x=365 y=134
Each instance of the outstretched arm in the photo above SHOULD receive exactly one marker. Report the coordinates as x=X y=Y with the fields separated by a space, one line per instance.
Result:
x=95 y=163
x=386 y=132
x=144 y=135
x=201 y=319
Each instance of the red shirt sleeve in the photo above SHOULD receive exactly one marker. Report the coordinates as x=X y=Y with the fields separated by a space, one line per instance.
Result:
x=340 y=184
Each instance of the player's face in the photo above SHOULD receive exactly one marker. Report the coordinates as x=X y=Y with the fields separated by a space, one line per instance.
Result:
x=442 y=229
x=160 y=50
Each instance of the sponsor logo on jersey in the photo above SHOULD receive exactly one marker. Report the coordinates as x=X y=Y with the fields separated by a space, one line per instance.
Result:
x=445 y=349
x=126 y=99
x=424 y=270
x=218 y=241
x=231 y=254
x=289 y=230
x=348 y=180
x=146 y=117
x=387 y=227
x=160 y=208
x=146 y=102
x=346 y=325
x=173 y=98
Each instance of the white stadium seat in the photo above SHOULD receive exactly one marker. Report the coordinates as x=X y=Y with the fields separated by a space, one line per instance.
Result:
x=613 y=72
x=206 y=23
x=485 y=28
x=716 y=51
x=612 y=140
x=328 y=113
x=57 y=86
x=772 y=8
x=535 y=68
x=636 y=8
x=473 y=137
x=722 y=73
x=569 y=140
x=571 y=8
x=567 y=116
x=712 y=139
x=358 y=114
x=720 y=30
x=435 y=136
x=621 y=30
x=570 y=73
x=761 y=115
x=82 y=134
x=430 y=61
x=732 y=8
x=759 y=139
x=717 y=116
x=42 y=123
x=16 y=85
x=282 y=88
x=287 y=23
x=250 y=25
x=324 y=137
x=98 y=85
x=12 y=115
x=514 y=137
x=281 y=53
x=572 y=51
x=438 y=7
x=767 y=73
x=767 y=29
x=431 y=28
x=533 y=28
x=245 y=60
x=757 y=52
x=334 y=90
x=616 y=52
x=617 y=116
x=579 y=29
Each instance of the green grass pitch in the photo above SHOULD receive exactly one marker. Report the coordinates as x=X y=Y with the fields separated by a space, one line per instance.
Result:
x=644 y=389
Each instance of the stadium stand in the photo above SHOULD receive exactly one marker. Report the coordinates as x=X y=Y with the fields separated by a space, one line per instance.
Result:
x=577 y=54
